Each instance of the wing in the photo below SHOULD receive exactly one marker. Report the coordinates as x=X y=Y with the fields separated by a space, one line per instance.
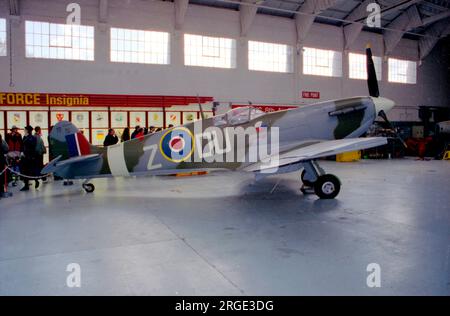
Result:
x=318 y=150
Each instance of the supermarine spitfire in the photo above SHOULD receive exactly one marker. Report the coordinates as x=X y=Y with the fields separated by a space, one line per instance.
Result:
x=300 y=137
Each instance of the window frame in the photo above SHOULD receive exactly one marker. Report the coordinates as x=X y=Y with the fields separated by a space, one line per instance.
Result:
x=272 y=57
x=135 y=53
x=194 y=55
x=393 y=78
x=335 y=69
x=82 y=35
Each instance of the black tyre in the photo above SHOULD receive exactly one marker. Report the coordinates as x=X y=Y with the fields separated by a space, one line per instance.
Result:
x=306 y=182
x=89 y=187
x=327 y=186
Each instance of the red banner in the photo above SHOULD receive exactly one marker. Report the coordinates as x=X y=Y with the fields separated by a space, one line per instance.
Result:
x=95 y=100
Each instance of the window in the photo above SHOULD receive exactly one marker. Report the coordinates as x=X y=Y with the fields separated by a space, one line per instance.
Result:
x=59 y=41
x=321 y=62
x=3 y=37
x=269 y=57
x=206 y=51
x=358 y=66
x=137 y=46
x=402 y=71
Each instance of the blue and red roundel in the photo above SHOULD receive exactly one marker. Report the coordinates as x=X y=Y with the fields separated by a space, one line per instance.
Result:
x=177 y=144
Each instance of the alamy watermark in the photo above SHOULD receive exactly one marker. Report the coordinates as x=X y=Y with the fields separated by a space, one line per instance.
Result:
x=374 y=18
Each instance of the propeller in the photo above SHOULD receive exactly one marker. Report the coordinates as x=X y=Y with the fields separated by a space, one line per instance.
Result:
x=372 y=81
x=381 y=104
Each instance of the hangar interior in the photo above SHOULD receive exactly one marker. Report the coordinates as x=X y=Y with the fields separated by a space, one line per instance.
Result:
x=156 y=63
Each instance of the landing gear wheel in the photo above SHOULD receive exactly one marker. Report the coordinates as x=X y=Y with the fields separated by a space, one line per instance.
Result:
x=68 y=182
x=88 y=187
x=327 y=186
x=306 y=182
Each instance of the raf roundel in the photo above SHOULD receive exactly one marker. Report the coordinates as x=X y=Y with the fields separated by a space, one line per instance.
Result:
x=177 y=144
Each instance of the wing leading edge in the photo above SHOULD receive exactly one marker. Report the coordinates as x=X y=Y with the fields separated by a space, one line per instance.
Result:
x=318 y=150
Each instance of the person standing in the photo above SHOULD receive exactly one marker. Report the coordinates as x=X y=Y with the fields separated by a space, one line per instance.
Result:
x=40 y=150
x=136 y=131
x=111 y=138
x=3 y=152
x=14 y=140
x=125 y=135
x=28 y=160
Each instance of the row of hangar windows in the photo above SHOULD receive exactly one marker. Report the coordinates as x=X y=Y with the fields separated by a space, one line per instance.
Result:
x=76 y=42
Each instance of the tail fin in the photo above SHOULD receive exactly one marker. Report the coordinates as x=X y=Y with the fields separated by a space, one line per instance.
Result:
x=67 y=141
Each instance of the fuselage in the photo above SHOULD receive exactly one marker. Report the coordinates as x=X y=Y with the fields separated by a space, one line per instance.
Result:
x=206 y=143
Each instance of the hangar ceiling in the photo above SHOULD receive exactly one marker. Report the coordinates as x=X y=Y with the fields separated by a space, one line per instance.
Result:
x=424 y=20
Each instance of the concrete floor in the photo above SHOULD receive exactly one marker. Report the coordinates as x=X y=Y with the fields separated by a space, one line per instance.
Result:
x=223 y=234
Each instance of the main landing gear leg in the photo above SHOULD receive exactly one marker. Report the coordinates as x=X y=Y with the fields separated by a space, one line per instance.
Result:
x=88 y=187
x=315 y=180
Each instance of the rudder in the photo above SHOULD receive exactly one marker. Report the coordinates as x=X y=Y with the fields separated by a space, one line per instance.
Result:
x=68 y=141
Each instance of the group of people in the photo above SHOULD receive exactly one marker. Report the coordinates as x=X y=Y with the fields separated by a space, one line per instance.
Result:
x=112 y=139
x=26 y=154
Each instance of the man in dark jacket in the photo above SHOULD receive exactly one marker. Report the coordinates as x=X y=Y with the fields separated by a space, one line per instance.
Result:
x=28 y=160
x=3 y=152
x=111 y=138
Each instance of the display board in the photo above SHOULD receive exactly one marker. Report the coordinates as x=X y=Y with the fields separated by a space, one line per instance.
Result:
x=137 y=118
x=17 y=118
x=58 y=116
x=80 y=119
x=39 y=118
x=119 y=119
x=189 y=117
x=99 y=119
x=156 y=119
x=173 y=118
x=98 y=136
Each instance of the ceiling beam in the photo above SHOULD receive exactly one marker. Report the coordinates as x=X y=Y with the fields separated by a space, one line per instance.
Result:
x=400 y=5
x=435 y=18
x=435 y=32
x=352 y=31
x=247 y=15
x=310 y=8
x=360 y=13
x=103 y=11
x=180 y=12
x=14 y=7
x=406 y=21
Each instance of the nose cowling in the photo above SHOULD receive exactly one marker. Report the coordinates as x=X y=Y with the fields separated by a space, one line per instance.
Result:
x=383 y=104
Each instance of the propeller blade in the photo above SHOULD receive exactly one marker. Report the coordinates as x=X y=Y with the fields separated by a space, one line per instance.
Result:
x=372 y=81
x=383 y=115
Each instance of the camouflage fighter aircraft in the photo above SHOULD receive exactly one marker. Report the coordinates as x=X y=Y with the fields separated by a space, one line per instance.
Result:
x=303 y=136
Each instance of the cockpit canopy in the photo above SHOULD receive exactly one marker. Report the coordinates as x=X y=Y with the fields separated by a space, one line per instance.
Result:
x=238 y=116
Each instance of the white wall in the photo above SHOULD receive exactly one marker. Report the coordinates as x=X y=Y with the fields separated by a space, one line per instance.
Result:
x=240 y=84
